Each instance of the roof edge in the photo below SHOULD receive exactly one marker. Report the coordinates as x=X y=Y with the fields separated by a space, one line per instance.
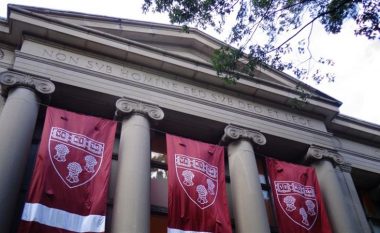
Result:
x=114 y=19
x=358 y=122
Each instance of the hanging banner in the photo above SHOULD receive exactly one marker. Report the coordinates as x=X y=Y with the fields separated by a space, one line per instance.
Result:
x=297 y=198
x=197 y=188
x=68 y=191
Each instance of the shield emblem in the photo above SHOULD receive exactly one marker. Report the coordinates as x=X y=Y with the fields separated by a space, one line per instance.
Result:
x=198 y=179
x=76 y=158
x=298 y=202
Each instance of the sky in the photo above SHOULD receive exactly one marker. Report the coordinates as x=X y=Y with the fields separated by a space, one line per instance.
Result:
x=357 y=60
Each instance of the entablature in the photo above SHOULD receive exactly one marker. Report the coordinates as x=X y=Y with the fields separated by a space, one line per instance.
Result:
x=113 y=77
x=356 y=129
x=25 y=20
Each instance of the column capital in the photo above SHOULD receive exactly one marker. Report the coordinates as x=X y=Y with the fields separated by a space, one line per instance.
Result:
x=233 y=132
x=11 y=79
x=126 y=106
x=345 y=167
x=318 y=153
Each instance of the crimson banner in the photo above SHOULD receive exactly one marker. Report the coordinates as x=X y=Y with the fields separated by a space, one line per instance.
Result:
x=68 y=191
x=297 y=198
x=197 y=188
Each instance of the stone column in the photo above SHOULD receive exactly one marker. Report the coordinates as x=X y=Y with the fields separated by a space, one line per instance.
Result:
x=131 y=206
x=345 y=179
x=17 y=121
x=337 y=205
x=247 y=198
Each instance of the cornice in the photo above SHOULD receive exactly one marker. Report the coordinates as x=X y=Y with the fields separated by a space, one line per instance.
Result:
x=356 y=128
x=125 y=106
x=118 y=21
x=233 y=132
x=11 y=79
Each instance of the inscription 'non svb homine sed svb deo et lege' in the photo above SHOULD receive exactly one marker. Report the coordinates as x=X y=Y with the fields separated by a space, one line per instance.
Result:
x=156 y=81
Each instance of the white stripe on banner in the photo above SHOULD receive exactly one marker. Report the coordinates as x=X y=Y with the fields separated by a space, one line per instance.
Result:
x=63 y=219
x=172 y=230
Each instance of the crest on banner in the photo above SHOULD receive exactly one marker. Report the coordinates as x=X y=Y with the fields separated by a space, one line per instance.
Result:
x=198 y=179
x=298 y=202
x=75 y=157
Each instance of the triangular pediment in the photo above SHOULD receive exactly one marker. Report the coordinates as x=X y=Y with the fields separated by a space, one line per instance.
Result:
x=194 y=45
x=162 y=47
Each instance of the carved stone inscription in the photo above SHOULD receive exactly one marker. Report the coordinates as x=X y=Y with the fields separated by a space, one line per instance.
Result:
x=167 y=84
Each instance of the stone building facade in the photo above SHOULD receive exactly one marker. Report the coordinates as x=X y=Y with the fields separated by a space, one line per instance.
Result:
x=155 y=78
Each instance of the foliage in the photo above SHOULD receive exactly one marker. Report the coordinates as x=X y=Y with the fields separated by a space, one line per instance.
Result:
x=264 y=31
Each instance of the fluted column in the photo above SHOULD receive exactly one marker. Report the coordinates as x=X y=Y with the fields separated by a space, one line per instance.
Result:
x=131 y=206
x=340 y=215
x=248 y=202
x=17 y=121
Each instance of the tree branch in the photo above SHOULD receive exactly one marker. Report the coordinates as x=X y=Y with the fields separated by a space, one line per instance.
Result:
x=306 y=25
x=290 y=6
x=258 y=24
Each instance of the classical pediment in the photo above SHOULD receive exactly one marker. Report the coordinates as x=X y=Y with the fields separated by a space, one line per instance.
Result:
x=165 y=48
x=194 y=45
